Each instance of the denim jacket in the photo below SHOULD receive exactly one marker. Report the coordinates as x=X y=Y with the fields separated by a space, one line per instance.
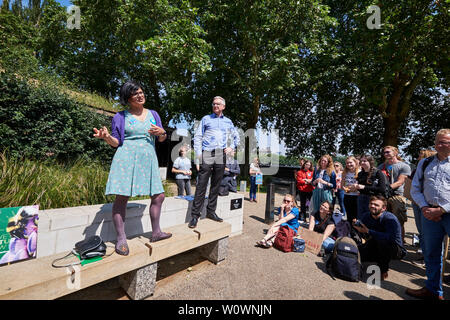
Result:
x=327 y=178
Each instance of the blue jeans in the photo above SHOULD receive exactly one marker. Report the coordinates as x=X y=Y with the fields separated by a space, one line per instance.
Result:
x=433 y=233
x=253 y=187
x=340 y=198
x=328 y=244
x=418 y=219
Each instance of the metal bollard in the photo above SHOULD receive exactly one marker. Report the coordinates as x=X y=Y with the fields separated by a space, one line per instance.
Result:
x=270 y=199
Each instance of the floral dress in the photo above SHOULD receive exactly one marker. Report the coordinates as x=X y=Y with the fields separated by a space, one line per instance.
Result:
x=134 y=168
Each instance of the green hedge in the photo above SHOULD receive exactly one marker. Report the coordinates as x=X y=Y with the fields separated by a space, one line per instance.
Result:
x=37 y=121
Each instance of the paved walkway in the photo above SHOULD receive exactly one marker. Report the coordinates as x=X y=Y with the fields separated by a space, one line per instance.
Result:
x=255 y=273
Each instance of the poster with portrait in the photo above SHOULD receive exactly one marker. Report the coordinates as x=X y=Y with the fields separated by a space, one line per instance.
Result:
x=18 y=233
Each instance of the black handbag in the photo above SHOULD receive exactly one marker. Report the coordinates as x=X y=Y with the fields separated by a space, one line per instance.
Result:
x=90 y=248
x=86 y=249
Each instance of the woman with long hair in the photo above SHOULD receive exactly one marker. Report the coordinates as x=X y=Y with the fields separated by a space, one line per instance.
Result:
x=304 y=187
x=324 y=181
x=370 y=182
x=349 y=177
x=339 y=192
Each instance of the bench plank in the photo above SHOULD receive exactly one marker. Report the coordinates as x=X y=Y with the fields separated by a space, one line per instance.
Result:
x=37 y=279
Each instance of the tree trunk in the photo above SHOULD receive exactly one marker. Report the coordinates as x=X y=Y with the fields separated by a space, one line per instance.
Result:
x=398 y=106
x=157 y=100
x=391 y=131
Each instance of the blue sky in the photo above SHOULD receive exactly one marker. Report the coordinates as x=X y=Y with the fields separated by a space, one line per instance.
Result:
x=65 y=3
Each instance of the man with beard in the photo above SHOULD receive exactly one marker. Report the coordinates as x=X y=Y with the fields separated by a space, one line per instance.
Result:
x=384 y=235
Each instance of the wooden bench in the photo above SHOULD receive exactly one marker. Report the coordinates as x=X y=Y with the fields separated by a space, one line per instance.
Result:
x=37 y=279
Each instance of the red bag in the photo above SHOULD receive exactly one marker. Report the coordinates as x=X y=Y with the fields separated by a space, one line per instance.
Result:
x=284 y=240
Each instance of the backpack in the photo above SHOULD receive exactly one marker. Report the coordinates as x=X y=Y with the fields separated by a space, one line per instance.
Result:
x=343 y=228
x=284 y=240
x=389 y=192
x=425 y=164
x=345 y=261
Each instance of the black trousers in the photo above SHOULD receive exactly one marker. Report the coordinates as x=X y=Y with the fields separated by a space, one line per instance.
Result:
x=351 y=207
x=304 y=196
x=380 y=252
x=212 y=164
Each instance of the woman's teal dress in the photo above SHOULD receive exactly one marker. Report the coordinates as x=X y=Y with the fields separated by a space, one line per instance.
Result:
x=134 y=168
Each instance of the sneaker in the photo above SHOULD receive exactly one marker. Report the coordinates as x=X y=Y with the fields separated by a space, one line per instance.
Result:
x=419 y=262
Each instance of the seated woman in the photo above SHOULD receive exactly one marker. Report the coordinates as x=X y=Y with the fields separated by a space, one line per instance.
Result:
x=322 y=222
x=288 y=217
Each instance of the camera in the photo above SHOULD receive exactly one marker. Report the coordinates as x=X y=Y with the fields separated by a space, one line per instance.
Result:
x=358 y=223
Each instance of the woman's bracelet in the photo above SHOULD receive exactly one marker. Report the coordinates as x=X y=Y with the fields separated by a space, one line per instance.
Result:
x=164 y=134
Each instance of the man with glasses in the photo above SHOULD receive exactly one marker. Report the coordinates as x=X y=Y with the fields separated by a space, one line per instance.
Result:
x=396 y=171
x=214 y=138
x=430 y=190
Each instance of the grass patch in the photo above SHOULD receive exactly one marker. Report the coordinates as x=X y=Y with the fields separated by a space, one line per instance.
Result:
x=52 y=185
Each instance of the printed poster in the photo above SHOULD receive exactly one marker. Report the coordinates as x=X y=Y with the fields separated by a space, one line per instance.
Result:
x=18 y=233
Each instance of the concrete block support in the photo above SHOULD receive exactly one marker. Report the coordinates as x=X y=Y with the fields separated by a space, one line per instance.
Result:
x=140 y=284
x=215 y=251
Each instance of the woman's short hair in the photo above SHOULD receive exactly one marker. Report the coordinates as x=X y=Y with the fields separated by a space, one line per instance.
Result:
x=127 y=90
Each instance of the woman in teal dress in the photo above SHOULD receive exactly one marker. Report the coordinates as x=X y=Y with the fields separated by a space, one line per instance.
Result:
x=134 y=168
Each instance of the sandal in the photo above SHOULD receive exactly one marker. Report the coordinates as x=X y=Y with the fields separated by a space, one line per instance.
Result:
x=263 y=244
x=122 y=249
x=161 y=236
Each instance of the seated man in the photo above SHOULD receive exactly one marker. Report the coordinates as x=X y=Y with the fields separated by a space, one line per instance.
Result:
x=385 y=235
x=232 y=170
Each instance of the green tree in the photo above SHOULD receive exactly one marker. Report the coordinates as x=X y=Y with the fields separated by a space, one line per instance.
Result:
x=388 y=64
x=157 y=43
x=363 y=91
x=258 y=50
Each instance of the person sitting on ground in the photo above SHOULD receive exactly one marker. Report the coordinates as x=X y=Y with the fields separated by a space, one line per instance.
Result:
x=322 y=222
x=288 y=213
x=385 y=241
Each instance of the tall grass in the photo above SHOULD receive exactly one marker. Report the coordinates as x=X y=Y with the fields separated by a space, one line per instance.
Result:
x=53 y=185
